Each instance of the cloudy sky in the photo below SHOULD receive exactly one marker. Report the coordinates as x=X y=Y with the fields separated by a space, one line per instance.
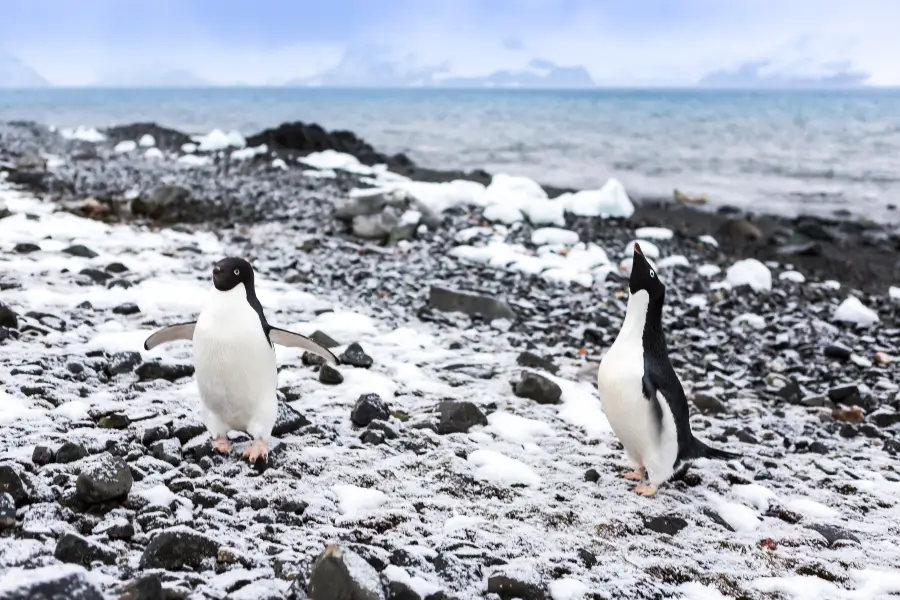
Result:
x=620 y=42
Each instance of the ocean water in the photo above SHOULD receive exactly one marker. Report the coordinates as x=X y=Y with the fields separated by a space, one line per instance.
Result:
x=790 y=152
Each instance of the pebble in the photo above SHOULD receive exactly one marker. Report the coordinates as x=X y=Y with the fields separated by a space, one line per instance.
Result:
x=42 y=455
x=538 y=388
x=123 y=362
x=150 y=371
x=329 y=375
x=459 y=417
x=76 y=549
x=70 y=452
x=368 y=408
x=177 y=549
x=340 y=574
x=129 y=308
x=106 y=478
x=355 y=356
x=55 y=582
x=708 y=403
x=668 y=525
x=80 y=251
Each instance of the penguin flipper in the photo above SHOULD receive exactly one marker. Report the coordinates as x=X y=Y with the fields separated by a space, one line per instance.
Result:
x=172 y=333
x=282 y=337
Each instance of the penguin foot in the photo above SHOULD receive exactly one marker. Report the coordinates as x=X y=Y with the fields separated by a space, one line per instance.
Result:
x=645 y=490
x=222 y=444
x=258 y=449
x=637 y=475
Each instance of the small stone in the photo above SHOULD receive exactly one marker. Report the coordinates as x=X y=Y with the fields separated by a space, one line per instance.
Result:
x=355 y=356
x=116 y=268
x=288 y=420
x=75 y=549
x=509 y=588
x=368 y=408
x=146 y=587
x=151 y=371
x=323 y=339
x=7 y=511
x=80 y=251
x=340 y=574
x=538 y=388
x=123 y=362
x=168 y=450
x=311 y=359
x=228 y=556
x=114 y=421
x=8 y=317
x=154 y=434
x=129 y=308
x=70 y=452
x=592 y=476
x=177 y=548
x=885 y=419
x=56 y=582
x=42 y=455
x=588 y=558
x=818 y=447
x=529 y=360
x=96 y=275
x=118 y=529
x=845 y=394
x=488 y=307
x=329 y=375
x=373 y=438
x=26 y=248
x=459 y=417
x=746 y=436
x=838 y=351
x=106 y=478
x=833 y=534
x=708 y=403
x=667 y=525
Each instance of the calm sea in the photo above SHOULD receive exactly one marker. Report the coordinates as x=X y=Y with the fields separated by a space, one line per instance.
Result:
x=789 y=152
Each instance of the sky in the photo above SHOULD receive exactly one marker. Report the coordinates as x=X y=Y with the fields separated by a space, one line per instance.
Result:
x=620 y=42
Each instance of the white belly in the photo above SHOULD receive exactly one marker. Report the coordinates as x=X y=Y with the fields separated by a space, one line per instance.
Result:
x=629 y=413
x=235 y=365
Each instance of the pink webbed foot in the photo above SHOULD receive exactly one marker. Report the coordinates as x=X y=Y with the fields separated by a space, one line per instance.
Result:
x=636 y=475
x=645 y=490
x=258 y=449
x=222 y=444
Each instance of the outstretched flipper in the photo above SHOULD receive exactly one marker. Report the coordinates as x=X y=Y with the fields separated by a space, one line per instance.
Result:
x=290 y=339
x=172 y=333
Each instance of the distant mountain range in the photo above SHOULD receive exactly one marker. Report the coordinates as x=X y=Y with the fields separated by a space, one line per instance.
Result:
x=764 y=75
x=16 y=74
x=161 y=79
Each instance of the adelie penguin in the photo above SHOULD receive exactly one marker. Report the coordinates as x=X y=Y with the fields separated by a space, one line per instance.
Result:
x=640 y=392
x=234 y=358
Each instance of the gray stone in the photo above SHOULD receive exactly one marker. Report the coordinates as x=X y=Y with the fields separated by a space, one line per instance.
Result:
x=106 y=478
x=341 y=574
x=490 y=308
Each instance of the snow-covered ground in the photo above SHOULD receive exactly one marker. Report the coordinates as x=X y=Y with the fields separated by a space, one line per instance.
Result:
x=535 y=494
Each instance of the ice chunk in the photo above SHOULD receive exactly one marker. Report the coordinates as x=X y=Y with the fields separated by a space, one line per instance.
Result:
x=499 y=468
x=332 y=159
x=189 y=148
x=154 y=154
x=568 y=589
x=810 y=508
x=219 y=140
x=609 y=201
x=894 y=293
x=852 y=310
x=754 y=495
x=248 y=153
x=125 y=146
x=738 y=516
x=754 y=321
x=83 y=134
x=514 y=191
x=708 y=240
x=503 y=213
x=794 y=276
x=649 y=249
x=192 y=160
x=750 y=272
x=545 y=212
x=654 y=233
x=279 y=164
x=147 y=141
x=420 y=586
x=554 y=236
x=518 y=429
x=676 y=260
x=353 y=500
x=708 y=270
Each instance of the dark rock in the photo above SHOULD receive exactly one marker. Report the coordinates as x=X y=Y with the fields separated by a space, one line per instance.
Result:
x=838 y=351
x=166 y=203
x=288 y=420
x=120 y=529
x=509 y=588
x=168 y=450
x=177 y=548
x=384 y=428
x=129 y=308
x=96 y=275
x=42 y=455
x=530 y=360
x=538 y=388
x=70 y=452
x=8 y=317
x=151 y=371
x=329 y=375
x=106 y=478
x=739 y=231
x=667 y=525
x=459 y=417
x=708 y=403
x=123 y=362
x=323 y=339
x=397 y=590
x=818 y=447
x=340 y=574
x=373 y=438
x=488 y=307
x=146 y=587
x=368 y=408
x=185 y=431
x=75 y=549
x=746 y=436
x=26 y=248
x=588 y=558
x=592 y=476
x=310 y=359
x=117 y=268
x=356 y=357
x=154 y=434
x=845 y=394
x=833 y=534
x=714 y=516
x=790 y=391
x=52 y=583
x=892 y=447
x=80 y=251
x=805 y=249
x=885 y=419
x=7 y=511
x=114 y=421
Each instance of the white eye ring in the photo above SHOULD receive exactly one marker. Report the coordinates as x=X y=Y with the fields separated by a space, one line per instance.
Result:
x=237 y=271
x=652 y=274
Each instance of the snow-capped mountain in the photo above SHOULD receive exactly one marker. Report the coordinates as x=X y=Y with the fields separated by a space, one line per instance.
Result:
x=16 y=74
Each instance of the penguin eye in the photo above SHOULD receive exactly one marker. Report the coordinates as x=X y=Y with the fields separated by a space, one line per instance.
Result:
x=652 y=274
x=237 y=271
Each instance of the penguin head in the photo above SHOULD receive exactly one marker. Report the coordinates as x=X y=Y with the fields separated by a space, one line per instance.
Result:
x=229 y=272
x=643 y=276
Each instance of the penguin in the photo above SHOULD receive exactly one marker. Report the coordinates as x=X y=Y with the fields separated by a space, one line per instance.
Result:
x=640 y=392
x=234 y=358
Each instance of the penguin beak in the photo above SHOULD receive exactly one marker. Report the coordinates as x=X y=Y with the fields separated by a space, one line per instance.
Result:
x=217 y=270
x=637 y=249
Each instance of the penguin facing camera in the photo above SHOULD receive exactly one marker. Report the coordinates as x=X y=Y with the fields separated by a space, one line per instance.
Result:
x=234 y=358
x=640 y=392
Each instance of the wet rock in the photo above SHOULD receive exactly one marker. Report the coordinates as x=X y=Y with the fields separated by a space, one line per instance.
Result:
x=833 y=534
x=530 y=360
x=288 y=420
x=708 y=403
x=373 y=438
x=166 y=203
x=7 y=511
x=186 y=430
x=178 y=548
x=123 y=362
x=118 y=529
x=117 y=268
x=488 y=307
x=42 y=455
x=11 y=483
x=355 y=357
x=838 y=351
x=329 y=375
x=154 y=434
x=129 y=308
x=368 y=408
x=106 y=478
x=323 y=339
x=114 y=421
x=845 y=394
x=885 y=419
x=151 y=371
x=168 y=450
x=80 y=251
x=667 y=525
x=538 y=388
x=340 y=574
x=70 y=452
x=96 y=275
x=146 y=587
x=8 y=317
x=75 y=549
x=509 y=588
x=459 y=417
x=56 y=582
x=26 y=248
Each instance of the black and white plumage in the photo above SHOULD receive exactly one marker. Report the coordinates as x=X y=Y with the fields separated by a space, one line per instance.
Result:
x=640 y=392
x=234 y=357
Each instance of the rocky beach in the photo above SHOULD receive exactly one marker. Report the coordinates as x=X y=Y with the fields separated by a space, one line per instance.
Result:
x=459 y=449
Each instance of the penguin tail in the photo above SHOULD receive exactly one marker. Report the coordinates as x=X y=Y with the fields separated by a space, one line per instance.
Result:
x=701 y=450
